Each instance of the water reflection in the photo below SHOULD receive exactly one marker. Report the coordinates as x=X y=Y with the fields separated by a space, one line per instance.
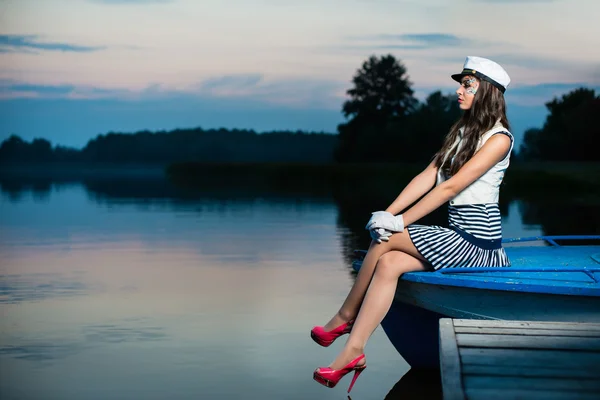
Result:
x=157 y=288
x=417 y=384
x=118 y=333
x=562 y=216
x=48 y=349
x=523 y=214
x=558 y=215
x=15 y=288
x=41 y=352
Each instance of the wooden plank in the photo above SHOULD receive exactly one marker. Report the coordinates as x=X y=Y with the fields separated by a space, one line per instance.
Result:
x=538 y=371
x=494 y=394
x=528 y=342
x=530 y=358
x=584 y=326
x=521 y=331
x=450 y=362
x=525 y=359
x=500 y=383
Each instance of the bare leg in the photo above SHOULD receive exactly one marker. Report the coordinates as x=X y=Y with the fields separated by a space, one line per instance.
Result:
x=349 y=309
x=377 y=301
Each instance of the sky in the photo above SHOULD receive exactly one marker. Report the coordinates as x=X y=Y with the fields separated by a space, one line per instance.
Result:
x=73 y=69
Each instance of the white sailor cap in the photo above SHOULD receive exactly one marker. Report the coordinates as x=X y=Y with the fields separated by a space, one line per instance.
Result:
x=485 y=69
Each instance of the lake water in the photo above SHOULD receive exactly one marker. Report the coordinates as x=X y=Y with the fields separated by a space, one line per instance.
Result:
x=136 y=290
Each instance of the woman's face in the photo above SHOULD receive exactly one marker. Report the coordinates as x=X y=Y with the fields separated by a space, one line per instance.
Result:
x=466 y=91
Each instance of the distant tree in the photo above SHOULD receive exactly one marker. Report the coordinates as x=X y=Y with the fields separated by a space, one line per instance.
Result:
x=381 y=89
x=380 y=98
x=66 y=154
x=40 y=150
x=571 y=131
x=530 y=147
x=13 y=148
x=179 y=145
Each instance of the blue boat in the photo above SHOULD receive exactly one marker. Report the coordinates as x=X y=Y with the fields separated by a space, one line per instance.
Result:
x=546 y=282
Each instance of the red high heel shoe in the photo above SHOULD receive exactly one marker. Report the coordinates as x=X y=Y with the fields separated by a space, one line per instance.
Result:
x=330 y=377
x=325 y=338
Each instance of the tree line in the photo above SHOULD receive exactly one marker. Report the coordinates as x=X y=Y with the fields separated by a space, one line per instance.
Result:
x=570 y=132
x=180 y=145
x=387 y=124
x=384 y=123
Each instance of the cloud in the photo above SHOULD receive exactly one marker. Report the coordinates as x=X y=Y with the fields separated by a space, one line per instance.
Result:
x=540 y=68
x=30 y=43
x=414 y=41
x=231 y=82
x=528 y=95
x=567 y=69
x=525 y=95
x=514 y=1
x=12 y=90
x=40 y=89
x=245 y=101
x=427 y=40
x=132 y=1
x=292 y=92
x=532 y=61
x=16 y=50
x=75 y=114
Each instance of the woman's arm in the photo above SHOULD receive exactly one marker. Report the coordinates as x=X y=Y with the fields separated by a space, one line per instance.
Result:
x=416 y=188
x=492 y=152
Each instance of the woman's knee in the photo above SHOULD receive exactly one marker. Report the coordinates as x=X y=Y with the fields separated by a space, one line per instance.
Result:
x=391 y=264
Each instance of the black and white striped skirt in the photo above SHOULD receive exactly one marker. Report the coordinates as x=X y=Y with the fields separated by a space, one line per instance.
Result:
x=454 y=248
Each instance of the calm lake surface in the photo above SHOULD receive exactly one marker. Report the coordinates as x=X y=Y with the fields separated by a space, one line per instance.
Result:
x=135 y=289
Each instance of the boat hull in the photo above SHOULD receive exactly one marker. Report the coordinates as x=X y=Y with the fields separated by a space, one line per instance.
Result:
x=412 y=322
x=548 y=282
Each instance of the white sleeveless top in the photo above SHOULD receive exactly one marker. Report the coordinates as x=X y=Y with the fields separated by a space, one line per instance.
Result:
x=486 y=189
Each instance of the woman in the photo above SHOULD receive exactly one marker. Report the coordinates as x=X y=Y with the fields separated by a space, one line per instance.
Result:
x=467 y=173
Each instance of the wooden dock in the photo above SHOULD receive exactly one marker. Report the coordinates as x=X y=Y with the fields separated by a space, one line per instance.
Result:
x=491 y=359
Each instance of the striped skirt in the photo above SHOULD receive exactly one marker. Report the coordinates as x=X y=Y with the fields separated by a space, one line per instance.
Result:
x=454 y=248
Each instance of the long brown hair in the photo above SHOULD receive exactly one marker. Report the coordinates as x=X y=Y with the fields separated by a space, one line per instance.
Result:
x=488 y=107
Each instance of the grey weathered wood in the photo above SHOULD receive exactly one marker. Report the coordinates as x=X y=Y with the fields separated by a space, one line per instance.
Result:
x=586 y=326
x=536 y=372
x=517 y=382
x=450 y=362
x=522 y=359
x=495 y=394
x=530 y=358
x=528 y=332
x=528 y=342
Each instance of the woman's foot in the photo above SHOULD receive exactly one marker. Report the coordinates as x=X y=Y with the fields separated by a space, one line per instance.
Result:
x=325 y=337
x=335 y=322
x=347 y=355
x=330 y=377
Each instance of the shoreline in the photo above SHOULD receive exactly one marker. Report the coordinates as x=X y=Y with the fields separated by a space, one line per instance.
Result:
x=534 y=175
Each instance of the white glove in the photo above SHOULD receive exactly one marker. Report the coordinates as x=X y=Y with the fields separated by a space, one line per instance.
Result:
x=376 y=216
x=380 y=235
x=386 y=220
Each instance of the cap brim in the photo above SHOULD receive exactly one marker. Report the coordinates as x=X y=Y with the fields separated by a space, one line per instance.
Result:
x=458 y=77
x=478 y=75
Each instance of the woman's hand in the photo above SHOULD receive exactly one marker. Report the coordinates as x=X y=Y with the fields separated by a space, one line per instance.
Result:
x=380 y=235
x=386 y=220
